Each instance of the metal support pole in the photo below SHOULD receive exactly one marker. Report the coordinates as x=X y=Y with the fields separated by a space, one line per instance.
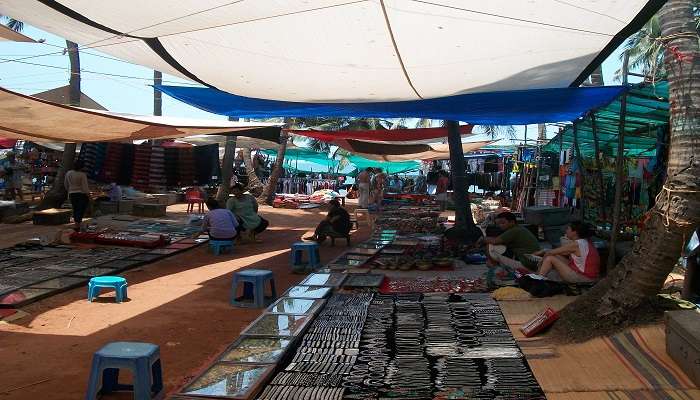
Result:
x=599 y=170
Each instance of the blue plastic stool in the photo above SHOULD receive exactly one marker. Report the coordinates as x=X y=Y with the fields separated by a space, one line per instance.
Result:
x=114 y=282
x=312 y=248
x=218 y=246
x=143 y=359
x=253 y=286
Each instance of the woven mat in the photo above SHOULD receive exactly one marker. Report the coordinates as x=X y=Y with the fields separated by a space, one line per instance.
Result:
x=632 y=363
x=691 y=394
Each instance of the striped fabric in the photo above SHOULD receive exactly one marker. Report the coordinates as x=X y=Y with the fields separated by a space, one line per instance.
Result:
x=653 y=370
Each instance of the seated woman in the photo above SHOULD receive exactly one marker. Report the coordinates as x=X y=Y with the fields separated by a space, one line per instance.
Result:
x=245 y=208
x=337 y=222
x=219 y=222
x=575 y=262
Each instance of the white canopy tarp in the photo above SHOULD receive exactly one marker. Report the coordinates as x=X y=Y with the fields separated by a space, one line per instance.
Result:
x=30 y=118
x=352 y=51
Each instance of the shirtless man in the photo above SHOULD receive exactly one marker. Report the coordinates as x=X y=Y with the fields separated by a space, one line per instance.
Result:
x=363 y=187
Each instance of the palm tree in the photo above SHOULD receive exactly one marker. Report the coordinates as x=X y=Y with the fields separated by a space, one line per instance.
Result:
x=625 y=294
x=57 y=194
x=269 y=191
x=646 y=50
x=227 y=166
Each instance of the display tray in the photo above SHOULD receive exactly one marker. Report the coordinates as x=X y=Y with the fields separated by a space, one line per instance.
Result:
x=121 y=265
x=95 y=271
x=293 y=305
x=358 y=257
x=346 y=263
x=333 y=279
x=231 y=381
x=21 y=296
x=368 y=280
x=393 y=250
x=363 y=251
x=256 y=350
x=61 y=283
x=163 y=252
x=286 y=325
x=145 y=257
x=368 y=245
x=308 y=292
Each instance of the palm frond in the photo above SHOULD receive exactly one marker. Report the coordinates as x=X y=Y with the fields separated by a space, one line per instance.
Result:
x=12 y=23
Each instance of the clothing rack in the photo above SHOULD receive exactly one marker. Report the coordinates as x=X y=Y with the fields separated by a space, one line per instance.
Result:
x=303 y=185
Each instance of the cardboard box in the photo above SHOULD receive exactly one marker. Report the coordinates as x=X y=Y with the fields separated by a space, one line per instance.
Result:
x=683 y=341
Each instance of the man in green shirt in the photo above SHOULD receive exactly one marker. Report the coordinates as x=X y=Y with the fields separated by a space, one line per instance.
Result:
x=517 y=240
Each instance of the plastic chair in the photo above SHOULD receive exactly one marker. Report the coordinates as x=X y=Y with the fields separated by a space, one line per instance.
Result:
x=143 y=359
x=297 y=254
x=253 y=286
x=113 y=282
x=192 y=197
x=219 y=246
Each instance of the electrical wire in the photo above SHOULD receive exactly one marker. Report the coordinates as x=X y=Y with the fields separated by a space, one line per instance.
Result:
x=511 y=18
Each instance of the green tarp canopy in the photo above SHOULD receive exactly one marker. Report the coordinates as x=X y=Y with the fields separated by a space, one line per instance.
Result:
x=387 y=166
x=321 y=159
x=647 y=110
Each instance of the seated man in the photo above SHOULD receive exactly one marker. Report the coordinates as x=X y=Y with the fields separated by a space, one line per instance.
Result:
x=337 y=222
x=577 y=261
x=517 y=240
x=219 y=222
x=245 y=208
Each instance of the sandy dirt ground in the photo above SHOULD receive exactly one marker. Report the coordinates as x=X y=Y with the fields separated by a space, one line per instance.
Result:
x=179 y=303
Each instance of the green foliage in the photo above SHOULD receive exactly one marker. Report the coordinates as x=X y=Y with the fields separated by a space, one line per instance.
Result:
x=12 y=23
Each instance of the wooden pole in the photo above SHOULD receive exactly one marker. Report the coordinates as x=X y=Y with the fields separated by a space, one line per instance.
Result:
x=579 y=159
x=599 y=169
x=463 y=212
x=619 y=164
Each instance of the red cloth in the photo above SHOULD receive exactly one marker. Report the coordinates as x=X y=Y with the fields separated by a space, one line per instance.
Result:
x=7 y=143
x=384 y=135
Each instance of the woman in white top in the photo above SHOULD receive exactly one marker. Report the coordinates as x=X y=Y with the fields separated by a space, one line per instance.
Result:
x=76 y=183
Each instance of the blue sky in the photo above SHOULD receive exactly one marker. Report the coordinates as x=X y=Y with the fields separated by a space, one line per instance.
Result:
x=132 y=94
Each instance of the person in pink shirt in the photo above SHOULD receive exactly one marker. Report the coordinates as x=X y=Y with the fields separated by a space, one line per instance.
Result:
x=443 y=183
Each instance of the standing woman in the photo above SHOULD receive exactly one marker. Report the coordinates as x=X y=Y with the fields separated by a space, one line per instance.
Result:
x=76 y=183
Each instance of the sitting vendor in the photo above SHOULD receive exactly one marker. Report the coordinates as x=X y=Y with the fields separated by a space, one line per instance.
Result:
x=337 y=222
x=245 y=208
x=577 y=261
x=219 y=222
x=517 y=240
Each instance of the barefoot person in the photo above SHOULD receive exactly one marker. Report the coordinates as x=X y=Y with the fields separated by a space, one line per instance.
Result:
x=575 y=262
x=518 y=241
x=337 y=221
x=245 y=208
x=76 y=183
x=363 y=187
x=219 y=222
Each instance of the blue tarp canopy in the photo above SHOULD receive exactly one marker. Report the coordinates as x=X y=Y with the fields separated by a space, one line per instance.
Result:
x=517 y=107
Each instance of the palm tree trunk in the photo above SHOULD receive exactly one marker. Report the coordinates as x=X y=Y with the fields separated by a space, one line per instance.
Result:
x=463 y=212
x=227 y=169
x=254 y=185
x=623 y=296
x=269 y=191
x=58 y=194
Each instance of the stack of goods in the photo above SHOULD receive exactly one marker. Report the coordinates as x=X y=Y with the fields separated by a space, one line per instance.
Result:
x=285 y=202
x=328 y=352
x=433 y=285
x=142 y=165
x=410 y=220
x=438 y=346
x=156 y=172
x=185 y=167
x=93 y=156
x=323 y=196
